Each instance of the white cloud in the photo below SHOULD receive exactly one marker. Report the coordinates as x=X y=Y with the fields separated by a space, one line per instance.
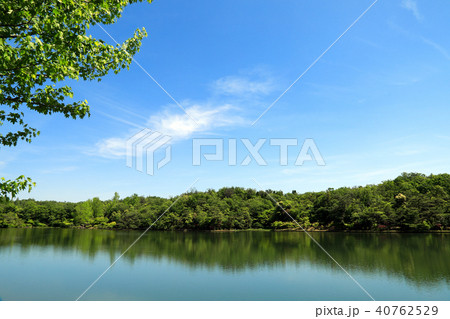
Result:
x=202 y=117
x=411 y=5
x=207 y=117
x=113 y=147
x=242 y=86
x=175 y=124
x=437 y=47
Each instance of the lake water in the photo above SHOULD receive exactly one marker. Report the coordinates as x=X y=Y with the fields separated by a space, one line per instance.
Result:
x=59 y=264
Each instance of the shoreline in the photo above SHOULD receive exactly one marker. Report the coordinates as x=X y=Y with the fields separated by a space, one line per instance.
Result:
x=297 y=230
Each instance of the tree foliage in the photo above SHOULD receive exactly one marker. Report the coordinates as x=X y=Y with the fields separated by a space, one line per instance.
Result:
x=45 y=42
x=411 y=202
x=13 y=187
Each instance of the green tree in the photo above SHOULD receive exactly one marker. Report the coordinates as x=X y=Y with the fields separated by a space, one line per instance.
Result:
x=42 y=43
x=84 y=213
x=411 y=202
x=98 y=207
x=10 y=188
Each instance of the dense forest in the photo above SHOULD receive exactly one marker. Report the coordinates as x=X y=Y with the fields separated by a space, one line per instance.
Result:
x=411 y=202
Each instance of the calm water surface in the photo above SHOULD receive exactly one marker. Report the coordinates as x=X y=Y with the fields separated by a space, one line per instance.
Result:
x=59 y=264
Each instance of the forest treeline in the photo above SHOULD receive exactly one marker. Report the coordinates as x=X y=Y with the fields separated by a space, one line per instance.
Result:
x=411 y=202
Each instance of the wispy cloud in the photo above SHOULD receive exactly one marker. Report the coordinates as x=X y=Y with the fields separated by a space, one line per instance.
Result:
x=121 y=120
x=243 y=86
x=176 y=125
x=207 y=116
x=437 y=47
x=411 y=5
x=113 y=147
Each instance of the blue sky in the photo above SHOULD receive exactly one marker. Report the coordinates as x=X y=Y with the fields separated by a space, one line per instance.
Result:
x=376 y=104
